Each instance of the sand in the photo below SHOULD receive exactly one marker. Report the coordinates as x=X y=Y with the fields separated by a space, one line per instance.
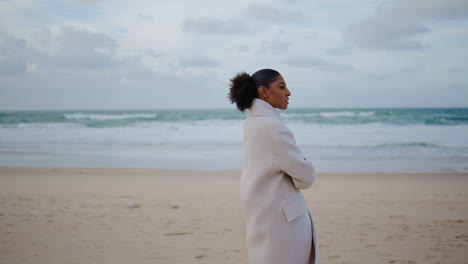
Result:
x=77 y=215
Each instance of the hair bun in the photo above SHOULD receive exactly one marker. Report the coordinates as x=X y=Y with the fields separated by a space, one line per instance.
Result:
x=242 y=91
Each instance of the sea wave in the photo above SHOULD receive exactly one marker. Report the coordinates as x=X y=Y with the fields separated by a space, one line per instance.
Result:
x=446 y=120
x=38 y=125
x=332 y=114
x=412 y=144
x=81 y=116
x=391 y=145
x=347 y=114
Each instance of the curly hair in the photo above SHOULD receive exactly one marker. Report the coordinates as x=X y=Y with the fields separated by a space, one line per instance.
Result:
x=243 y=87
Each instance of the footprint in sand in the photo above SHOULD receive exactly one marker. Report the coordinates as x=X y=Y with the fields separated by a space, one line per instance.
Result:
x=395 y=237
x=406 y=228
x=403 y=261
x=178 y=233
x=455 y=221
x=462 y=236
x=204 y=249
x=396 y=216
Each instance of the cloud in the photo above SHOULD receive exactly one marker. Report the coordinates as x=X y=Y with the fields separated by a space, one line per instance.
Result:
x=112 y=54
x=380 y=76
x=82 y=49
x=397 y=25
x=457 y=69
x=431 y=9
x=241 y=48
x=66 y=49
x=145 y=16
x=150 y=53
x=82 y=71
x=88 y=1
x=212 y=25
x=269 y=13
x=317 y=64
x=198 y=61
x=12 y=51
x=345 y=50
x=387 y=33
x=274 y=46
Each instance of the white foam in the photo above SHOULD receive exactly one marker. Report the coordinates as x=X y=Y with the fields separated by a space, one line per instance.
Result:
x=300 y=115
x=347 y=113
x=333 y=114
x=44 y=125
x=80 y=116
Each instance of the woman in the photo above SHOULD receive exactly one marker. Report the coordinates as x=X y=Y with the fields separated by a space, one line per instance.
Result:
x=279 y=226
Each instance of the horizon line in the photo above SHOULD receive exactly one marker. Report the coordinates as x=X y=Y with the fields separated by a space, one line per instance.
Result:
x=225 y=108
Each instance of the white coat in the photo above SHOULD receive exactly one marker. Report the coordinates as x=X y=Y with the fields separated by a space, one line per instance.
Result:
x=280 y=229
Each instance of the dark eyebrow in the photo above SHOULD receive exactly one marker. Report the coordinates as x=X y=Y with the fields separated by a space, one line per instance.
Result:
x=283 y=83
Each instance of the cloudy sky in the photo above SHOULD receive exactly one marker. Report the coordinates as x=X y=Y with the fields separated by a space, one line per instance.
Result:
x=115 y=54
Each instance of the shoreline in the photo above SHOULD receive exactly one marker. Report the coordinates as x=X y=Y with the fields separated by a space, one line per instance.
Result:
x=231 y=160
x=159 y=171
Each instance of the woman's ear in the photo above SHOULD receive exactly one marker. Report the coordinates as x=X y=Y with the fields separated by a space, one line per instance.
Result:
x=263 y=92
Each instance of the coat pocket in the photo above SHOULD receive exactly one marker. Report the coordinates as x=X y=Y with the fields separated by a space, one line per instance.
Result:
x=295 y=208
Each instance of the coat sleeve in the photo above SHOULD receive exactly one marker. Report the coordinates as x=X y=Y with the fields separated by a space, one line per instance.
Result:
x=291 y=161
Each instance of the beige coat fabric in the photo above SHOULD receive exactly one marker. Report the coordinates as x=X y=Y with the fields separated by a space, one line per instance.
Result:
x=280 y=229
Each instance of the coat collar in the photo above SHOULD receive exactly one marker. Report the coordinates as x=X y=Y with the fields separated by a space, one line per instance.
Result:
x=262 y=108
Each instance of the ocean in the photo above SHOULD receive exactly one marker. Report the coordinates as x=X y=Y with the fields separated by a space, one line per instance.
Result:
x=336 y=140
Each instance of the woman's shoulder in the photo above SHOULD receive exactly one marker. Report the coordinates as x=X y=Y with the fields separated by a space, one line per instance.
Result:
x=265 y=125
x=278 y=128
x=267 y=121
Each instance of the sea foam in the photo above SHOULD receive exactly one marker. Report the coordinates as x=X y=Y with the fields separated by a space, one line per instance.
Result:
x=80 y=116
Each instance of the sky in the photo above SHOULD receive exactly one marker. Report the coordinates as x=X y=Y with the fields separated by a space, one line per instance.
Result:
x=152 y=54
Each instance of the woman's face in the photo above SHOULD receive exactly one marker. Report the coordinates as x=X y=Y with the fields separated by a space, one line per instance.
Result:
x=277 y=95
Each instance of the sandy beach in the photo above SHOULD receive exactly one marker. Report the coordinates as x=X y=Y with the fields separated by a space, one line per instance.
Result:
x=84 y=215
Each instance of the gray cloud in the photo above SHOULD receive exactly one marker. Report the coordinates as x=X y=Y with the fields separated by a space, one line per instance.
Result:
x=457 y=69
x=82 y=49
x=241 y=48
x=380 y=76
x=270 y=13
x=88 y=2
x=72 y=50
x=150 y=53
x=12 y=52
x=345 y=50
x=397 y=25
x=274 y=46
x=431 y=9
x=386 y=33
x=318 y=64
x=211 y=25
x=198 y=61
x=63 y=80
x=145 y=16
x=413 y=70
x=123 y=66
